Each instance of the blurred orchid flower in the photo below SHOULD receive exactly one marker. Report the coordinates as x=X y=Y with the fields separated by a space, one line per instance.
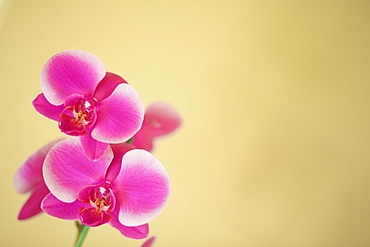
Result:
x=160 y=119
x=98 y=106
x=126 y=188
x=28 y=178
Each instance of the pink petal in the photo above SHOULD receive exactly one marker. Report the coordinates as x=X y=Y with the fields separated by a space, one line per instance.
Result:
x=162 y=118
x=143 y=139
x=159 y=119
x=107 y=86
x=136 y=232
x=120 y=116
x=115 y=166
x=71 y=72
x=45 y=108
x=29 y=174
x=93 y=148
x=149 y=242
x=142 y=187
x=33 y=205
x=62 y=210
x=67 y=169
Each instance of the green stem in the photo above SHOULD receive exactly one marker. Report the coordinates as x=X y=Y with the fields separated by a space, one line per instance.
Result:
x=82 y=232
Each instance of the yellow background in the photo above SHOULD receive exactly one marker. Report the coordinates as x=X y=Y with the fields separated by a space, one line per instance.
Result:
x=274 y=95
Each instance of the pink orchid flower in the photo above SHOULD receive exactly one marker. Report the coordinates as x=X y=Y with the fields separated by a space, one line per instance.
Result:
x=98 y=106
x=160 y=119
x=28 y=179
x=126 y=188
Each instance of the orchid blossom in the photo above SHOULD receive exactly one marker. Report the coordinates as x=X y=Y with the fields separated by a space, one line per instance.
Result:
x=28 y=179
x=98 y=106
x=160 y=119
x=126 y=188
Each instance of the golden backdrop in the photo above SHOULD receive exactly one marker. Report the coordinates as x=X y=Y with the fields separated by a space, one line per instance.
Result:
x=274 y=96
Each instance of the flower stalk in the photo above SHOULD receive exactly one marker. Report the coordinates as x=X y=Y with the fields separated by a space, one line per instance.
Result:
x=82 y=232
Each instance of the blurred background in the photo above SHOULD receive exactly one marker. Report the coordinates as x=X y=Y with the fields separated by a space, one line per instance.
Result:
x=274 y=95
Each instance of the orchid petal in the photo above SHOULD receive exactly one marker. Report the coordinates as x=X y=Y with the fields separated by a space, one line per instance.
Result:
x=43 y=106
x=115 y=166
x=120 y=115
x=135 y=232
x=149 y=242
x=32 y=206
x=62 y=210
x=162 y=118
x=29 y=174
x=142 y=186
x=143 y=139
x=70 y=72
x=107 y=85
x=67 y=169
x=93 y=148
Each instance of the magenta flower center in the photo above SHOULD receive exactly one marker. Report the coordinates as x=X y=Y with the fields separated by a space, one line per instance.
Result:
x=78 y=115
x=101 y=201
x=101 y=198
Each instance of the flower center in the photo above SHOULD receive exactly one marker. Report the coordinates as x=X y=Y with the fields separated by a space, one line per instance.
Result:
x=100 y=200
x=84 y=112
x=79 y=114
